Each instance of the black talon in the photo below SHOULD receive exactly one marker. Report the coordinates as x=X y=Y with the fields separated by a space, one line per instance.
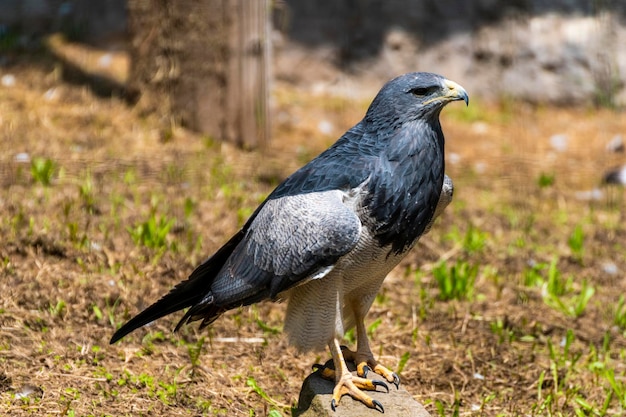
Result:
x=378 y=383
x=318 y=366
x=366 y=369
x=378 y=406
x=396 y=380
x=333 y=404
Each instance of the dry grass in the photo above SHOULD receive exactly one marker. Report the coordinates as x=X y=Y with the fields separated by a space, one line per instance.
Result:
x=70 y=271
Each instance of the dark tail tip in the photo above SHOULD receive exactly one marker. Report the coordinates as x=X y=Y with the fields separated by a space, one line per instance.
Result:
x=194 y=292
x=122 y=331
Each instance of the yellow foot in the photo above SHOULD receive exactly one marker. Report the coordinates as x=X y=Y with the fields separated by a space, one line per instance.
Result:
x=352 y=386
x=365 y=362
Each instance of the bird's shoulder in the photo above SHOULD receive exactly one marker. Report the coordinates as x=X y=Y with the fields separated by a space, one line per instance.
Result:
x=343 y=166
x=308 y=222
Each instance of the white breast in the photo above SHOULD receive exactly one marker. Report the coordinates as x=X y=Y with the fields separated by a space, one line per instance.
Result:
x=317 y=310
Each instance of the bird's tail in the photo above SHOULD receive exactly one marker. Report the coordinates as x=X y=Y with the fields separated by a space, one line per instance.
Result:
x=187 y=293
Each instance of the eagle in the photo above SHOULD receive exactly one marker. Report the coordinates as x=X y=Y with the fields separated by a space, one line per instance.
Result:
x=325 y=239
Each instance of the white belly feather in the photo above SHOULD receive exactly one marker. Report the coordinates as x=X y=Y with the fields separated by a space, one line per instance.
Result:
x=317 y=310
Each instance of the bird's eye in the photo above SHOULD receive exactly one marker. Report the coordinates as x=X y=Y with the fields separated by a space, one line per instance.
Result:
x=422 y=91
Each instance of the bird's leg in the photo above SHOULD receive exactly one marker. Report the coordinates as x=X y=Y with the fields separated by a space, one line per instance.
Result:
x=364 y=359
x=346 y=383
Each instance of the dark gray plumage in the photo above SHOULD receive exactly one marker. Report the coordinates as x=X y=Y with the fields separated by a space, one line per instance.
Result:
x=326 y=237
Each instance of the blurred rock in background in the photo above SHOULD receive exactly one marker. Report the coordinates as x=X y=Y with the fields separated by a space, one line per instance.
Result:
x=563 y=52
x=557 y=52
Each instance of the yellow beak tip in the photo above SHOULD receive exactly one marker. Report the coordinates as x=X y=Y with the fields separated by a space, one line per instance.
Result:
x=457 y=92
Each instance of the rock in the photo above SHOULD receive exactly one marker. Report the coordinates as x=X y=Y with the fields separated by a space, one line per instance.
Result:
x=316 y=394
x=566 y=52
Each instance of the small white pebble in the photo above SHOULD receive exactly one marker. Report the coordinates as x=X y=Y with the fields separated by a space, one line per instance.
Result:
x=51 y=94
x=480 y=167
x=559 y=142
x=480 y=128
x=325 y=127
x=22 y=157
x=616 y=144
x=318 y=88
x=105 y=60
x=25 y=391
x=8 y=80
x=590 y=195
x=96 y=246
x=453 y=158
x=610 y=268
x=479 y=376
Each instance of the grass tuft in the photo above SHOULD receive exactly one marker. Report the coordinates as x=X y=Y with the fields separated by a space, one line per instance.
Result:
x=152 y=233
x=42 y=170
x=457 y=281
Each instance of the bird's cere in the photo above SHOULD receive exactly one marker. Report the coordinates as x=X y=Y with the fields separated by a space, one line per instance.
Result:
x=456 y=92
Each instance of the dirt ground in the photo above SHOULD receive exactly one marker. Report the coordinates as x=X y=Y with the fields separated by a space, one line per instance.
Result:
x=74 y=264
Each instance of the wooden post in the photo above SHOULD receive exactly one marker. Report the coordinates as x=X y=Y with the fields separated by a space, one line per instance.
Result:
x=204 y=64
x=248 y=97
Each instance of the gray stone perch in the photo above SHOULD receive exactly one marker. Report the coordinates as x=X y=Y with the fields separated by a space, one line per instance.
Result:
x=316 y=394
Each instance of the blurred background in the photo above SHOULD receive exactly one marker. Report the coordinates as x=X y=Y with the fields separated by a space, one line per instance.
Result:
x=199 y=54
x=137 y=136
x=555 y=52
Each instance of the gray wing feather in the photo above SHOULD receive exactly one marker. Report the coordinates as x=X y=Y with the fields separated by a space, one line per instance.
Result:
x=296 y=235
x=293 y=238
x=447 y=191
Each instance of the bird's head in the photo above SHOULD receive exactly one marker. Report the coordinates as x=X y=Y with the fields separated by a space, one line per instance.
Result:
x=416 y=95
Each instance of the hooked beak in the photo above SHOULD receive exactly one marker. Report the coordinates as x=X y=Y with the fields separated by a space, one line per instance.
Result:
x=456 y=92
